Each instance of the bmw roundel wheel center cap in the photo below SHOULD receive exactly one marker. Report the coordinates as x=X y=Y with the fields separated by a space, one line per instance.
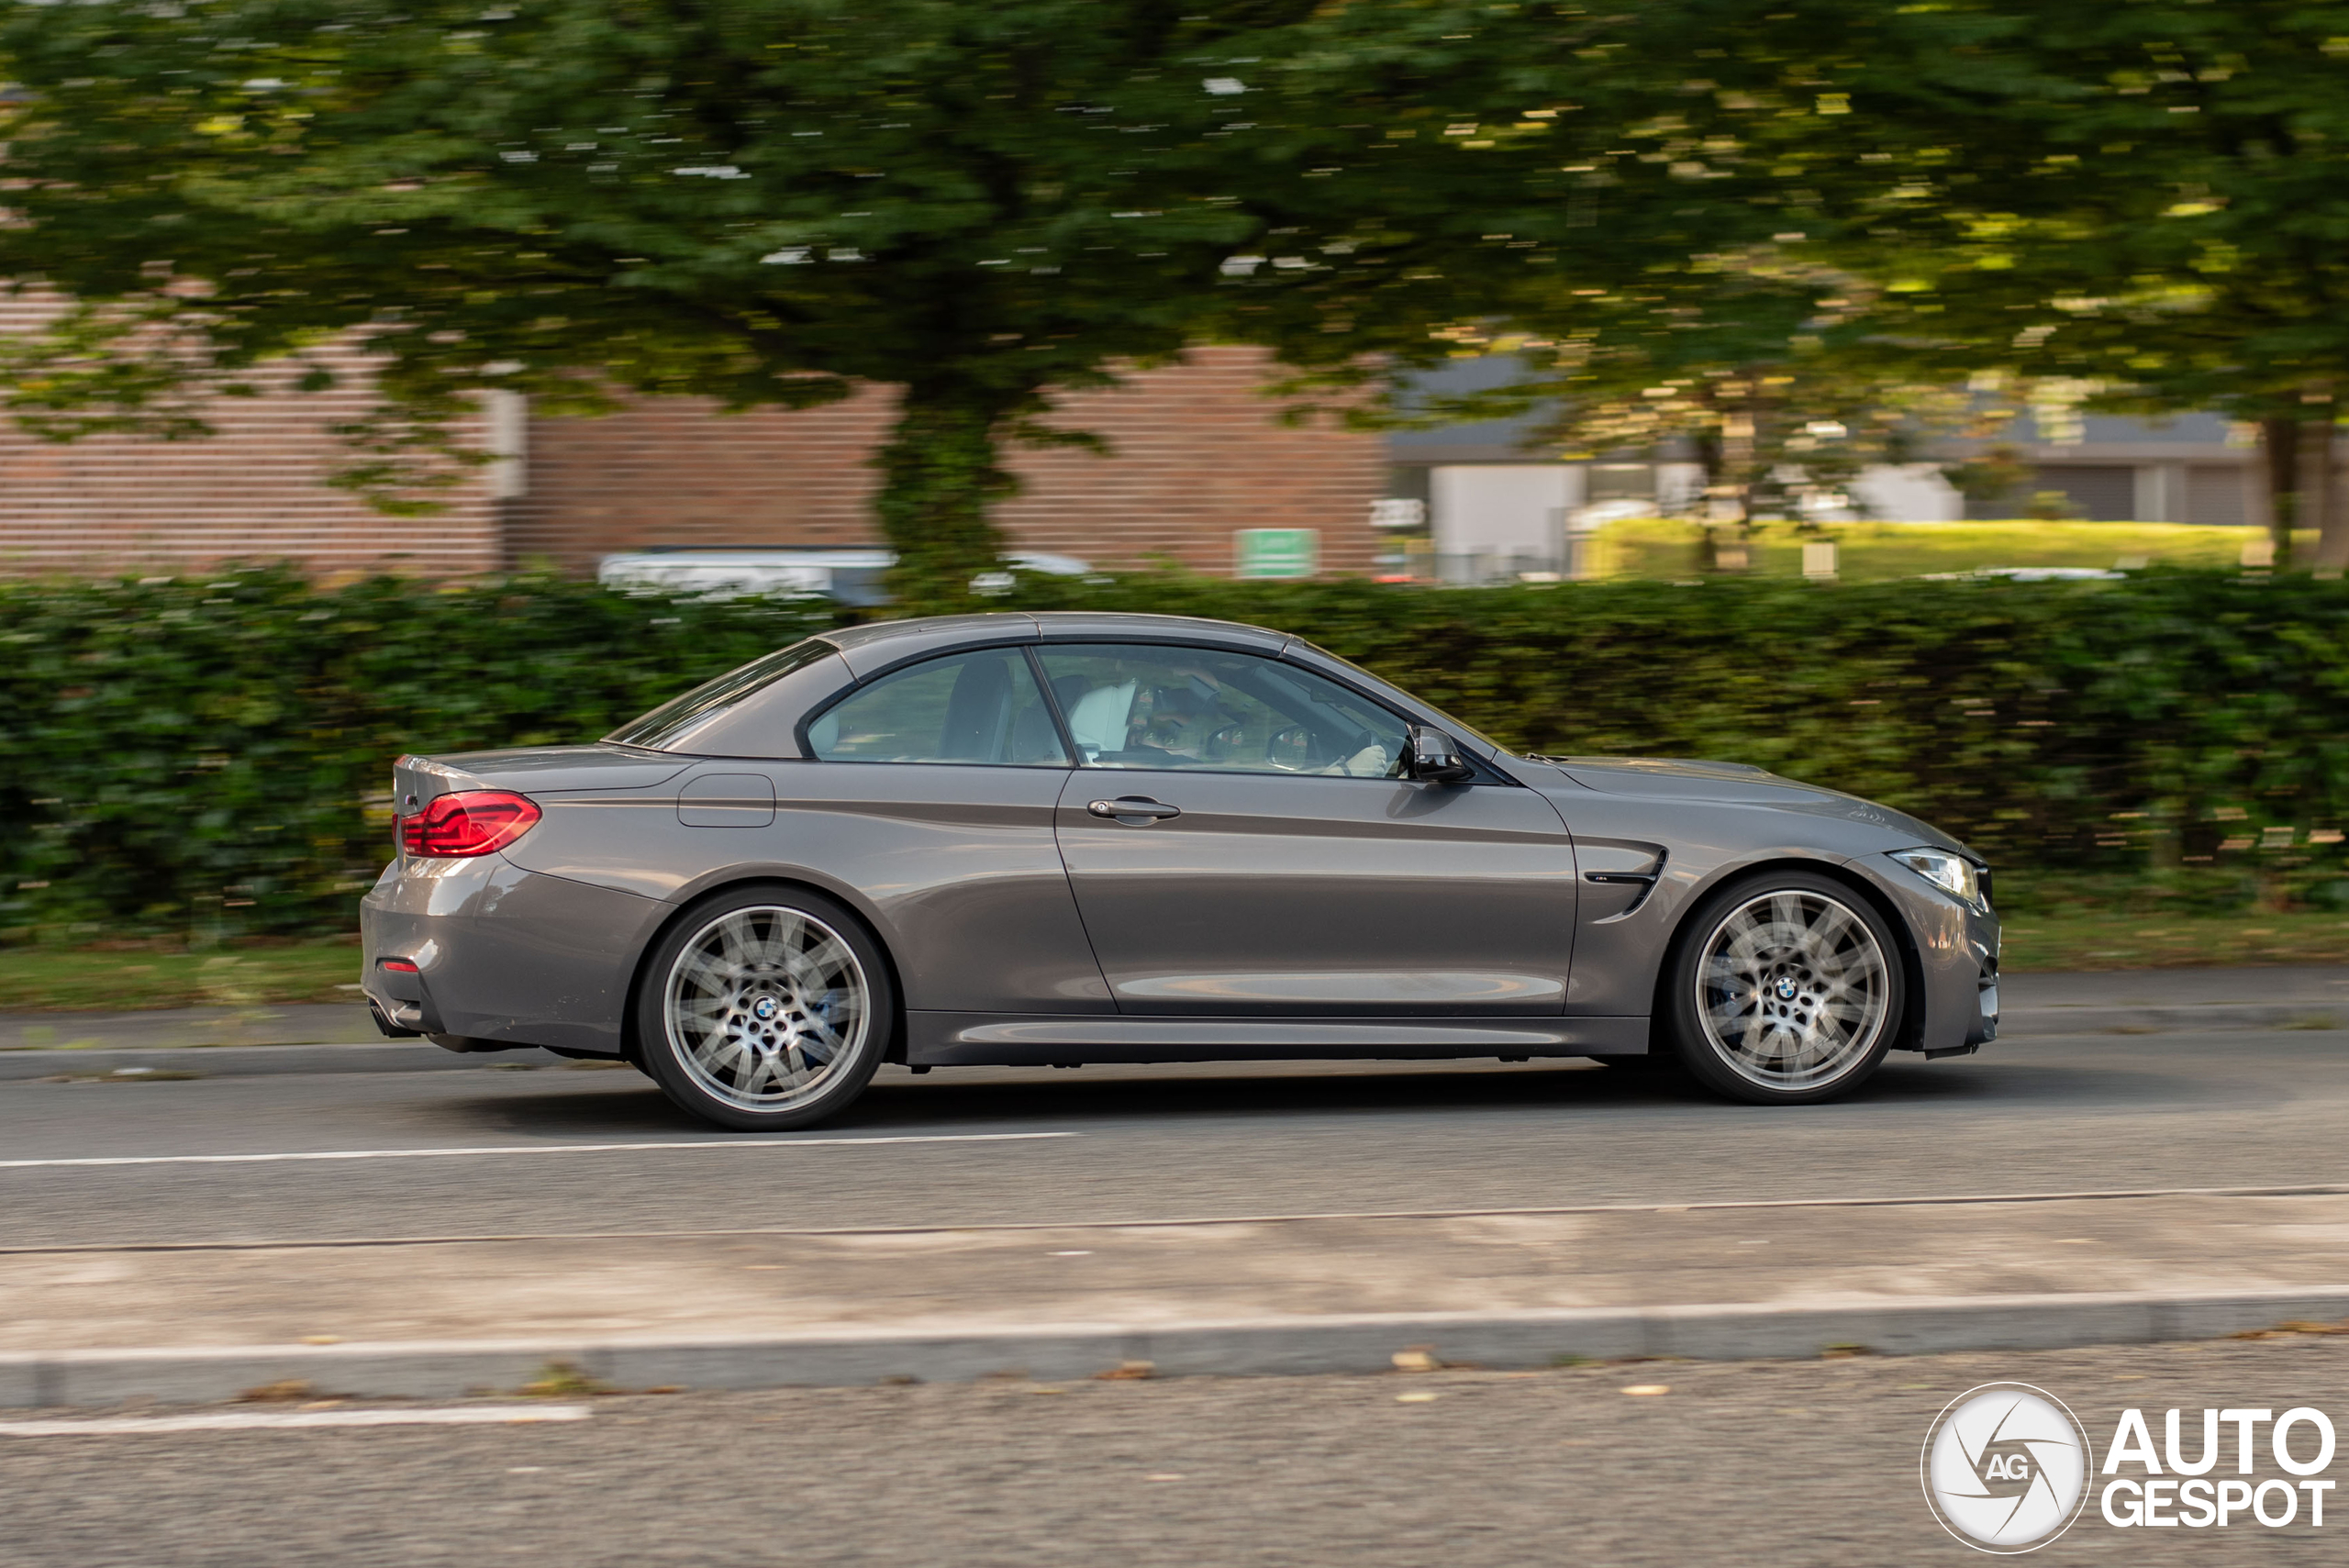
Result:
x=769 y=1013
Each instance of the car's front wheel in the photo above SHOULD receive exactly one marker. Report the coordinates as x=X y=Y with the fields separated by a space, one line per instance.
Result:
x=764 y=1008
x=1786 y=988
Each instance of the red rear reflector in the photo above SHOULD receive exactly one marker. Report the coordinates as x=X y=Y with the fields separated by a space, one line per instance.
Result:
x=397 y=966
x=470 y=822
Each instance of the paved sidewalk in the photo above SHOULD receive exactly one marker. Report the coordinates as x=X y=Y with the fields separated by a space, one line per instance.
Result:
x=2129 y=1000
x=291 y=1023
x=2125 y=1002
x=749 y=1308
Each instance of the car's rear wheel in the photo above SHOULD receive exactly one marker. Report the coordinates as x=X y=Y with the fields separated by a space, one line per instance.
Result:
x=1784 y=989
x=765 y=1007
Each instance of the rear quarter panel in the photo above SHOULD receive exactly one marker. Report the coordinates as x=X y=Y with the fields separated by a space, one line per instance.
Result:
x=507 y=954
x=955 y=868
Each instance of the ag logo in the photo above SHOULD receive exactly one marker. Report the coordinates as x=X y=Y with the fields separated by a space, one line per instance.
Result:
x=2006 y=1468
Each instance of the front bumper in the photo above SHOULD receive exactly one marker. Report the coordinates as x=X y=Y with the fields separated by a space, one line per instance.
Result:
x=1954 y=963
x=504 y=957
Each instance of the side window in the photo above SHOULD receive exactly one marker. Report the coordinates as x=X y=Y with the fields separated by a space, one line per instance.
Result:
x=1136 y=706
x=677 y=717
x=978 y=707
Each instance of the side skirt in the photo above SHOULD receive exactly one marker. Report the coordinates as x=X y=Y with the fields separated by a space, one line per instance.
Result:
x=1006 y=1039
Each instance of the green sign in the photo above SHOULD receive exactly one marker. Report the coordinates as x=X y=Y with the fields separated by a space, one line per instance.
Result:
x=1277 y=552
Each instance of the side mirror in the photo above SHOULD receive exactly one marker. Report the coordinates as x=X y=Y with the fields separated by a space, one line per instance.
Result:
x=1434 y=759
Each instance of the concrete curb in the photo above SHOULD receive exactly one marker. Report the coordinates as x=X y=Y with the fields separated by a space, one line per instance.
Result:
x=1293 y=1346
x=258 y=1061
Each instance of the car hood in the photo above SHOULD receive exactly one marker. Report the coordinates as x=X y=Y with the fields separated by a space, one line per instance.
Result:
x=1678 y=778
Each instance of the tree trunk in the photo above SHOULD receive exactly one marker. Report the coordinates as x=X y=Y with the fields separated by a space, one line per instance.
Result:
x=1737 y=469
x=1709 y=452
x=2328 y=508
x=939 y=478
x=2280 y=443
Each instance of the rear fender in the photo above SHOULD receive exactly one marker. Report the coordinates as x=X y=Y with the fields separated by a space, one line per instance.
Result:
x=631 y=1043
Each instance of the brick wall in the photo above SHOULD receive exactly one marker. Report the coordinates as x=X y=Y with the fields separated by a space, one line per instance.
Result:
x=252 y=491
x=1194 y=453
x=677 y=471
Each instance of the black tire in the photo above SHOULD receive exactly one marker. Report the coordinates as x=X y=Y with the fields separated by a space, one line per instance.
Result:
x=764 y=1007
x=1783 y=988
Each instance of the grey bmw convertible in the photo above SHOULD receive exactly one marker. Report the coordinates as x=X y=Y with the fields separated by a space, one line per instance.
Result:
x=1083 y=838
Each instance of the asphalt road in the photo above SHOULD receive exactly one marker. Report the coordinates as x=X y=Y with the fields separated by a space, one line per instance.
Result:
x=1808 y=1462
x=1785 y=1462
x=2052 y=1115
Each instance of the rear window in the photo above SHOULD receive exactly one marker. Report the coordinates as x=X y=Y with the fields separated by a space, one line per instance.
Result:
x=673 y=719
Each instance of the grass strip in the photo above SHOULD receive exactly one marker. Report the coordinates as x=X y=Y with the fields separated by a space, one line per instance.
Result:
x=123 y=977
x=2073 y=942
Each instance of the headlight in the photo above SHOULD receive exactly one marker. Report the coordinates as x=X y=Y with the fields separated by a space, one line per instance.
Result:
x=1953 y=874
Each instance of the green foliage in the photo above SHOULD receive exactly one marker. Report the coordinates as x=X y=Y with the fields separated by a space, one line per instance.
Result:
x=2147 y=195
x=768 y=200
x=2142 y=202
x=201 y=755
x=211 y=757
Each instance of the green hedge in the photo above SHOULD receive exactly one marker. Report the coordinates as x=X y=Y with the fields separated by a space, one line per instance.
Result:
x=202 y=755
x=214 y=755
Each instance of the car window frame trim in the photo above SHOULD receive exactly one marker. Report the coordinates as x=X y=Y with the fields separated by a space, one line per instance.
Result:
x=1486 y=773
x=1035 y=641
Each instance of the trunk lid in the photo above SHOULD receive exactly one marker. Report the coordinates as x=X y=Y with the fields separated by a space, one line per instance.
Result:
x=529 y=770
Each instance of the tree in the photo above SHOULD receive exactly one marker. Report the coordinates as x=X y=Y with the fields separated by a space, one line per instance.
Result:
x=761 y=202
x=2148 y=199
x=767 y=200
x=1669 y=278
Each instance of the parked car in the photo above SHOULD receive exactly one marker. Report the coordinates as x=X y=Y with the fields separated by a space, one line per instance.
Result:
x=855 y=577
x=1084 y=837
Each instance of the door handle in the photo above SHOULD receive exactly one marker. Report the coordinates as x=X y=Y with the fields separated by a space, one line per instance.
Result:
x=1132 y=805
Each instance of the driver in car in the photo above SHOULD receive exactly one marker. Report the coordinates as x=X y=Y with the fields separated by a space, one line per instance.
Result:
x=1183 y=721
x=1175 y=725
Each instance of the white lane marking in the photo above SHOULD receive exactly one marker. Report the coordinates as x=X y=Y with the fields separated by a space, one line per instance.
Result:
x=532 y=1149
x=248 y=1420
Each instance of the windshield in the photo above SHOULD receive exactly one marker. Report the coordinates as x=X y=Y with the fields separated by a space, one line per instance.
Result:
x=671 y=719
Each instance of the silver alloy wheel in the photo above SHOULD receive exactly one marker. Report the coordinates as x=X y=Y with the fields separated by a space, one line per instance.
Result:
x=1793 y=989
x=764 y=1006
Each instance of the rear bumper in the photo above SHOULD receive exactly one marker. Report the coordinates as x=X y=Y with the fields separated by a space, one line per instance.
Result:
x=403 y=1021
x=504 y=957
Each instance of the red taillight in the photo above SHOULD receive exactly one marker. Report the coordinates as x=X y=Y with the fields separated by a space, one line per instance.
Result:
x=471 y=822
x=397 y=966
